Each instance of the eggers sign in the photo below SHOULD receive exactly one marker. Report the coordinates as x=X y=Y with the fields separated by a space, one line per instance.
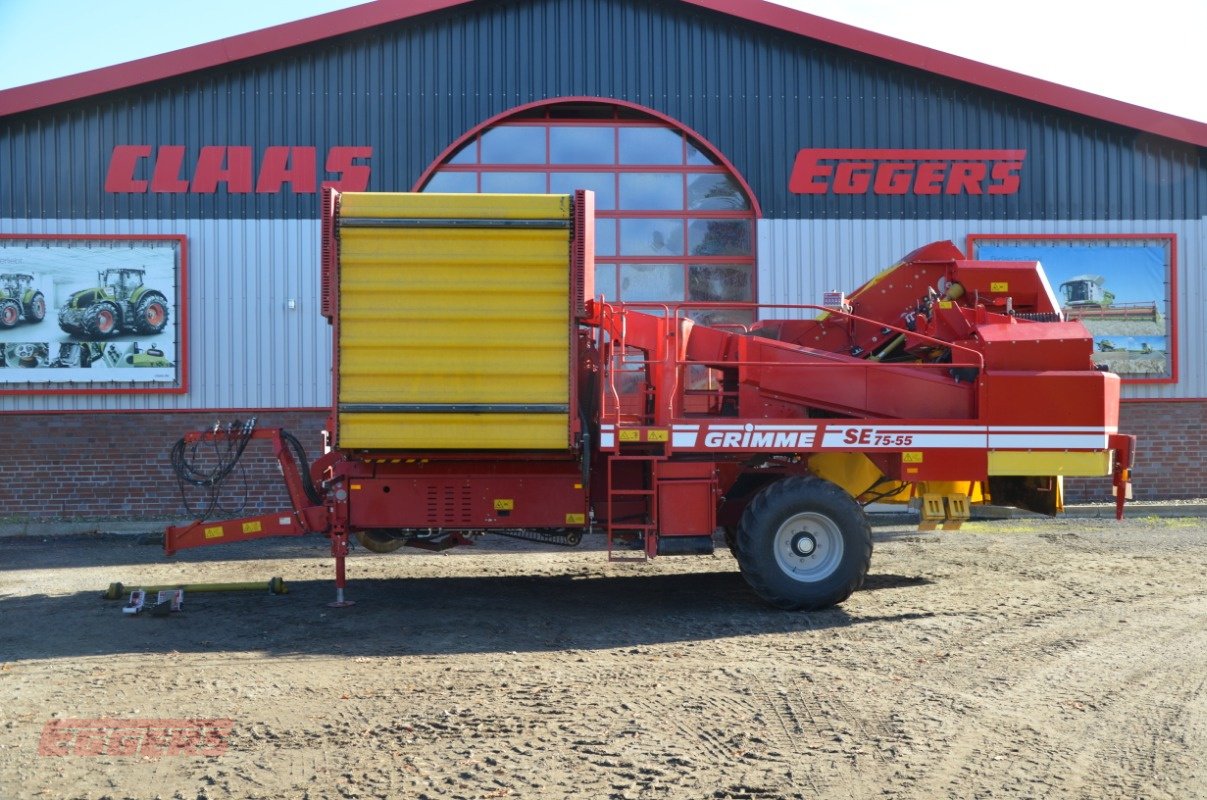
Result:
x=900 y=172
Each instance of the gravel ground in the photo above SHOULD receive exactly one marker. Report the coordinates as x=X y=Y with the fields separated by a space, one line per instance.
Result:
x=1016 y=658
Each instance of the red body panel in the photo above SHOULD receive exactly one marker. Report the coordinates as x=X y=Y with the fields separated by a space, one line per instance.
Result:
x=1054 y=345
x=469 y=495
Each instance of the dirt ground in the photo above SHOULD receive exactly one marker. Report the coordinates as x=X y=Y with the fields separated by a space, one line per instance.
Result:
x=1016 y=658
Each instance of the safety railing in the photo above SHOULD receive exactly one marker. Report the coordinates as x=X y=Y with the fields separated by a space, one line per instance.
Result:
x=619 y=406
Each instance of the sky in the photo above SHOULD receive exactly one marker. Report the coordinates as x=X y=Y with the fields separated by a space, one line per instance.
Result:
x=1149 y=55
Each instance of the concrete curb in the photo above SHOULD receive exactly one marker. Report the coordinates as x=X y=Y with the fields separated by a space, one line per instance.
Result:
x=1139 y=510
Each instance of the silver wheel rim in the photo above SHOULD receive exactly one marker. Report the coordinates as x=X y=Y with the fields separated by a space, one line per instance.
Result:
x=808 y=547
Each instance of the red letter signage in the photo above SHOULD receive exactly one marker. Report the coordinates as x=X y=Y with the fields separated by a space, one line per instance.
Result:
x=234 y=169
x=916 y=172
x=122 y=165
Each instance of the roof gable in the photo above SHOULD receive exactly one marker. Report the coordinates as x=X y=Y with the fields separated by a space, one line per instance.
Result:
x=369 y=15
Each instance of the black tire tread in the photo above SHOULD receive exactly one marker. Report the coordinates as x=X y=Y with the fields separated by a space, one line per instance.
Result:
x=89 y=322
x=378 y=541
x=33 y=302
x=140 y=313
x=784 y=491
x=16 y=317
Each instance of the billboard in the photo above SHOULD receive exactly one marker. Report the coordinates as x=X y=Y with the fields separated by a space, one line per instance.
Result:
x=85 y=314
x=1122 y=287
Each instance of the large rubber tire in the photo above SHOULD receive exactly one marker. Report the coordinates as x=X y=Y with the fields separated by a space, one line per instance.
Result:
x=36 y=310
x=379 y=541
x=804 y=544
x=101 y=320
x=151 y=316
x=10 y=313
x=731 y=539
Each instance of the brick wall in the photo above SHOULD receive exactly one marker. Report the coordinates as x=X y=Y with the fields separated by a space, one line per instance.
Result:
x=1171 y=453
x=116 y=466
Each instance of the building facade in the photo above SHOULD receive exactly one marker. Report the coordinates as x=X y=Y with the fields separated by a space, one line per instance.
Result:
x=166 y=211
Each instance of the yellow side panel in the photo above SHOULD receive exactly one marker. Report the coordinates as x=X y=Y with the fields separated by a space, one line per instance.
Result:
x=453 y=431
x=855 y=473
x=398 y=205
x=1093 y=463
x=852 y=471
x=970 y=489
x=454 y=315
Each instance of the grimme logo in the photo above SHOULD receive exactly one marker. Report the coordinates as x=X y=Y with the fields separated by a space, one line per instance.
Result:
x=898 y=172
x=167 y=169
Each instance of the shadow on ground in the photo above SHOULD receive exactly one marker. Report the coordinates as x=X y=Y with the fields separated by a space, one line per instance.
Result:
x=424 y=616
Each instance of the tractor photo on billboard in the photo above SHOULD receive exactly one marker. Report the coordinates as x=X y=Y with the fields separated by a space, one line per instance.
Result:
x=19 y=300
x=120 y=302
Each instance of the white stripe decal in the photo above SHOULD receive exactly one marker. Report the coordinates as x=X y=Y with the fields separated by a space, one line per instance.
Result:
x=893 y=438
x=855 y=438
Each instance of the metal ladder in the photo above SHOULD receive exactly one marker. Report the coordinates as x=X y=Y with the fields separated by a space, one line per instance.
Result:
x=645 y=529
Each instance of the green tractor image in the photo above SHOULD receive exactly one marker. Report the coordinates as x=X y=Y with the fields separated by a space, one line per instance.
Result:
x=119 y=303
x=19 y=300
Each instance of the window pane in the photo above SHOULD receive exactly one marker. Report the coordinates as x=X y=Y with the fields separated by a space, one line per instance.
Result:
x=651 y=191
x=605 y=281
x=651 y=237
x=453 y=182
x=719 y=237
x=605 y=237
x=602 y=183
x=719 y=283
x=714 y=192
x=513 y=182
x=641 y=145
x=466 y=155
x=651 y=282
x=696 y=156
x=514 y=145
x=581 y=144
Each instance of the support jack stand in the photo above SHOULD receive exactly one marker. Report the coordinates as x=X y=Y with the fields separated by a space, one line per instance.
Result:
x=339 y=549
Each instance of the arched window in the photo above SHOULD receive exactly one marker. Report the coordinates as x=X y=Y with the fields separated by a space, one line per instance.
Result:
x=673 y=222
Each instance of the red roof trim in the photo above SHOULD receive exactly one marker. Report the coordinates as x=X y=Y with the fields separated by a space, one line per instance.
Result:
x=961 y=69
x=356 y=18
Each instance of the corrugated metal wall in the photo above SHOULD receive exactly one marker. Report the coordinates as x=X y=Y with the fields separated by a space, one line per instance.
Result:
x=409 y=90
